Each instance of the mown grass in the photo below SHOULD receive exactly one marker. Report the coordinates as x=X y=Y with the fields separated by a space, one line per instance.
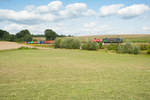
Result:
x=60 y=74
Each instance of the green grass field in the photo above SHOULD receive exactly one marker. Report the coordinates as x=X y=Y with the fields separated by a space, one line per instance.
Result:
x=60 y=74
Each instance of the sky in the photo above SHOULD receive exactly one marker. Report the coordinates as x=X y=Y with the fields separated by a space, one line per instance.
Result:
x=76 y=17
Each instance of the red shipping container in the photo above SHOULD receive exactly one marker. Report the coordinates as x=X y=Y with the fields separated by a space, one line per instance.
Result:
x=49 y=42
x=35 y=42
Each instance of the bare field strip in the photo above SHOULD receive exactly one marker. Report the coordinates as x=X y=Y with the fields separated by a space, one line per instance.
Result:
x=4 y=45
x=9 y=45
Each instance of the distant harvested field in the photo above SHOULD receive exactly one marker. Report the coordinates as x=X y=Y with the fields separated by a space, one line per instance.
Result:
x=140 y=38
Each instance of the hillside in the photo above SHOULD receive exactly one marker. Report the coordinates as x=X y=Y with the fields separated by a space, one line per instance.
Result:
x=145 y=38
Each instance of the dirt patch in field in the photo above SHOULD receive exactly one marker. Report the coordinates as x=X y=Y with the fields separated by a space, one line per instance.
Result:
x=9 y=45
x=4 y=45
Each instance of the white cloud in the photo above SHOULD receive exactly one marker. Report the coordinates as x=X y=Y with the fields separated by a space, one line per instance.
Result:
x=110 y=9
x=133 y=10
x=21 y=16
x=94 y=28
x=76 y=10
x=89 y=12
x=76 y=7
x=30 y=7
x=34 y=29
x=46 y=13
x=66 y=19
x=126 y=12
x=13 y=28
x=37 y=19
x=90 y=25
x=51 y=7
x=55 y=5
x=145 y=28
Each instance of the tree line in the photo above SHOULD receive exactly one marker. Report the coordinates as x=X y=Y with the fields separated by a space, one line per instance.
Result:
x=25 y=35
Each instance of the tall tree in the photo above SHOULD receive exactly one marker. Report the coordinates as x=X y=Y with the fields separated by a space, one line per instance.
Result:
x=4 y=35
x=12 y=37
x=24 y=35
x=50 y=34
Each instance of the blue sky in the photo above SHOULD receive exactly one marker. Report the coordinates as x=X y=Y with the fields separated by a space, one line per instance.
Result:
x=76 y=17
x=94 y=4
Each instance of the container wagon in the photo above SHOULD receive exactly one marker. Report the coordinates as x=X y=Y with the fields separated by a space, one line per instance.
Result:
x=112 y=40
x=40 y=42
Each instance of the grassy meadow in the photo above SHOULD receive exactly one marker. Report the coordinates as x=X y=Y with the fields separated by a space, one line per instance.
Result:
x=60 y=74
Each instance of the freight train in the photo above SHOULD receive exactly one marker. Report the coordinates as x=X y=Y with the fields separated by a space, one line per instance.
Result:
x=112 y=40
x=40 y=42
x=104 y=40
x=108 y=40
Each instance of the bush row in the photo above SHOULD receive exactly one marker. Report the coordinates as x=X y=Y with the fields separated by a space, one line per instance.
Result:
x=70 y=43
x=67 y=43
x=90 y=46
x=144 y=46
x=128 y=48
x=148 y=50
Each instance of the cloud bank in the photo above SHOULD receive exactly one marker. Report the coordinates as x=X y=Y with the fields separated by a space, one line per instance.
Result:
x=124 y=12
x=37 y=18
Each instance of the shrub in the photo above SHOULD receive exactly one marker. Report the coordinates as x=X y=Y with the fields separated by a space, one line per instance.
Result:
x=84 y=46
x=62 y=43
x=136 y=50
x=68 y=43
x=120 y=49
x=76 y=44
x=112 y=47
x=143 y=47
x=90 y=46
x=57 y=43
x=148 y=51
x=101 y=46
x=128 y=48
x=148 y=47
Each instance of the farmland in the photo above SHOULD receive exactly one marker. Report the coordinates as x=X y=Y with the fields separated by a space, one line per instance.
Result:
x=60 y=74
x=135 y=38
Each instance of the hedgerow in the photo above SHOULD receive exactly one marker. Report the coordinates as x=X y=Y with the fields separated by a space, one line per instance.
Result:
x=128 y=48
x=90 y=46
x=67 y=43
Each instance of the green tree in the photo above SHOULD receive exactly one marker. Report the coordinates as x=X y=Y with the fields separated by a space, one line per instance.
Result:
x=24 y=35
x=27 y=38
x=4 y=35
x=50 y=34
x=12 y=37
